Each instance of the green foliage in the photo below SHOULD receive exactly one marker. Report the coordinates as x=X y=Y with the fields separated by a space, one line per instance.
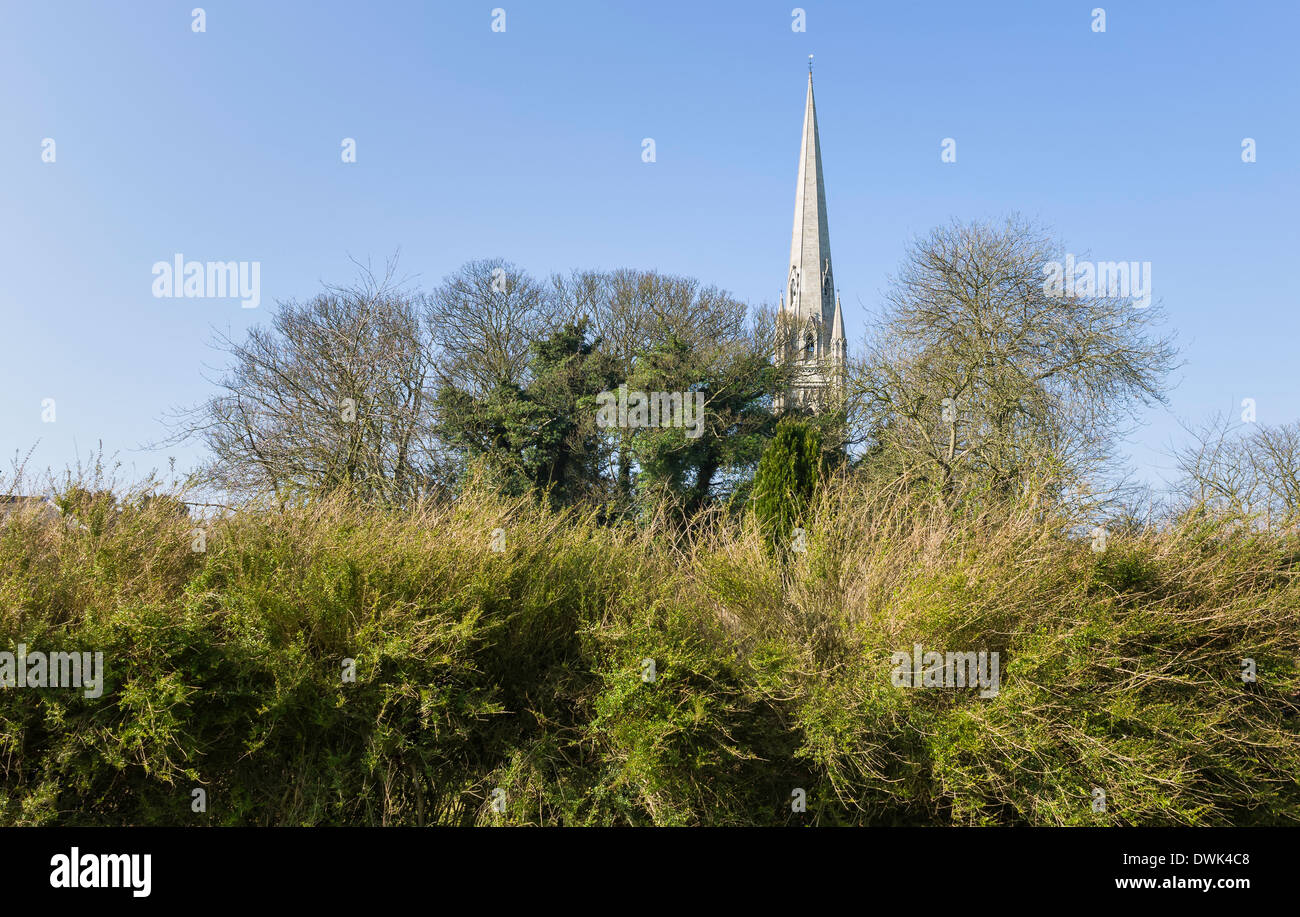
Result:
x=787 y=478
x=1125 y=569
x=542 y=436
x=521 y=669
x=93 y=508
x=692 y=468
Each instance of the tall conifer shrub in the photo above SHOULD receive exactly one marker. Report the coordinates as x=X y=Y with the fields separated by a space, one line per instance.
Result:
x=787 y=478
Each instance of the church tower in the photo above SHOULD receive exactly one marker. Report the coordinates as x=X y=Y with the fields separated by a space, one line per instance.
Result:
x=810 y=326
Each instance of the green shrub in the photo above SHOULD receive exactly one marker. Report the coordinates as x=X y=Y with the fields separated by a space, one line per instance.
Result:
x=506 y=686
x=786 y=480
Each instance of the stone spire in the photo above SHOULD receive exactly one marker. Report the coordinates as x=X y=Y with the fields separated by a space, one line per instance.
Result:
x=809 y=284
x=839 y=346
x=815 y=327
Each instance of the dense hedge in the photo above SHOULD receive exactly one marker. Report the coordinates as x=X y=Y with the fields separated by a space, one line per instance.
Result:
x=524 y=669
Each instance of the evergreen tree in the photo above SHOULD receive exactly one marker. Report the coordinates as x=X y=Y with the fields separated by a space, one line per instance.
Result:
x=787 y=478
x=695 y=467
x=542 y=435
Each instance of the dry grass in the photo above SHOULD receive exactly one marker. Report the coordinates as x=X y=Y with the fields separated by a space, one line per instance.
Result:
x=522 y=668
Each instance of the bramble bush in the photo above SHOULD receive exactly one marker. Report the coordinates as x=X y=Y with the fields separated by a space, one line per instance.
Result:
x=514 y=679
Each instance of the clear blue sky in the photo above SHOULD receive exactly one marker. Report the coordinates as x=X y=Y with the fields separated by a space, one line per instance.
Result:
x=526 y=144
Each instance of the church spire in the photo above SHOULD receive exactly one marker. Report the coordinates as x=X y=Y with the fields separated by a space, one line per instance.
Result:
x=816 y=327
x=810 y=286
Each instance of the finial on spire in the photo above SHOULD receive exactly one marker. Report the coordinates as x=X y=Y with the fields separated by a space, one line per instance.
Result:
x=810 y=58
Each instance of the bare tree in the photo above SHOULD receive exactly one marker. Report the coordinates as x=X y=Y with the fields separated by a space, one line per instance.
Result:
x=632 y=312
x=332 y=395
x=482 y=319
x=341 y=392
x=1251 y=471
x=976 y=371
